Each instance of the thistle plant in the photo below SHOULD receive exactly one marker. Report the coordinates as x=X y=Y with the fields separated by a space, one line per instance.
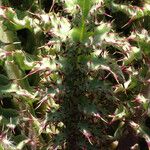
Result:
x=74 y=74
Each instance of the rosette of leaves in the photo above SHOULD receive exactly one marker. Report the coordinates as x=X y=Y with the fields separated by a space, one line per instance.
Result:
x=74 y=74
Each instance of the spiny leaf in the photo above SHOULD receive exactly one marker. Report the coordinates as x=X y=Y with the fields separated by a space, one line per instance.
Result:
x=120 y=113
x=85 y=6
x=25 y=62
x=8 y=113
x=60 y=27
x=22 y=144
x=3 y=80
x=14 y=88
x=133 y=11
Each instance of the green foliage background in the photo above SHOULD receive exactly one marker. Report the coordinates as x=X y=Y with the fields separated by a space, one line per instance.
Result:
x=74 y=74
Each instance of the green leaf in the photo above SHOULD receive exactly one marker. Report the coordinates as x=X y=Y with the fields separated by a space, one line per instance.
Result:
x=12 y=70
x=78 y=34
x=3 y=36
x=3 y=80
x=9 y=113
x=24 y=62
x=8 y=39
x=14 y=88
x=119 y=131
x=85 y=6
x=60 y=27
x=144 y=130
x=100 y=32
x=44 y=64
x=71 y=6
x=132 y=12
x=90 y=109
x=10 y=88
x=133 y=54
x=16 y=74
x=59 y=139
x=54 y=116
x=1 y=147
x=120 y=113
x=75 y=34
x=19 y=138
x=13 y=23
x=21 y=145
x=9 y=120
